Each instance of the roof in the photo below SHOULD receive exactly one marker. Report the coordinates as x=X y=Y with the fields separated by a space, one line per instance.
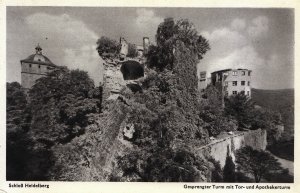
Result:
x=38 y=59
x=229 y=69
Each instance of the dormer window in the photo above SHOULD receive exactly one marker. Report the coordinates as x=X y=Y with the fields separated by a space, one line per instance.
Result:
x=243 y=73
x=234 y=73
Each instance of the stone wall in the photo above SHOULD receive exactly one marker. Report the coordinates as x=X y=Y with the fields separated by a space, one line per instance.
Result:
x=218 y=148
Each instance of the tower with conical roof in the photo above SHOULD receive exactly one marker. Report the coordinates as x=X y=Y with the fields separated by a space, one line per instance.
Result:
x=34 y=67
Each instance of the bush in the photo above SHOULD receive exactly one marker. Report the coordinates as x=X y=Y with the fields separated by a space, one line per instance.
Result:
x=107 y=47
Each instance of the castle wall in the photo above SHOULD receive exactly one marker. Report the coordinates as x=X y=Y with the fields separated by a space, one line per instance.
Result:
x=218 y=149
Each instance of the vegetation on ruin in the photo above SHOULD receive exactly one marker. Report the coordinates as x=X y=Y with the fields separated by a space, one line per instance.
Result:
x=169 y=34
x=63 y=131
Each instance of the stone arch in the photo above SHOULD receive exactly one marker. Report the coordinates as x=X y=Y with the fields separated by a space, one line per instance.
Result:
x=132 y=70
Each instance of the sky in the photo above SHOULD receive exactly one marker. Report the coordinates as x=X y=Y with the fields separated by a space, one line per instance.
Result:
x=258 y=39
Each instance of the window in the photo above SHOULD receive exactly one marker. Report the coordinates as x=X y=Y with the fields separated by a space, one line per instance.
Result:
x=234 y=92
x=243 y=92
x=243 y=73
x=234 y=73
x=39 y=66
x=202 y=75
x=29 y=65
x=234 y=83
x=243 y=83
x=248 y=83
x=248 y=93
x=249 y=73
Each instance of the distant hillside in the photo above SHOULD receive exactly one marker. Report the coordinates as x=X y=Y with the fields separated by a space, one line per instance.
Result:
x=278 y=100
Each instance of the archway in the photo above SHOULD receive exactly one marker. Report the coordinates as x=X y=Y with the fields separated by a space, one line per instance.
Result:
x=132 y=70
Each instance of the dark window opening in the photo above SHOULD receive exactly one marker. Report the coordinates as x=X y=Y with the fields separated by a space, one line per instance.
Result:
x=234 y=83
x=234 y=92
x=29 y=65
x=243 y=83
x=249 y=73
x=248 y=83
x=132 y=70
x=242 y=92
x=39 y=66
x=243 y=73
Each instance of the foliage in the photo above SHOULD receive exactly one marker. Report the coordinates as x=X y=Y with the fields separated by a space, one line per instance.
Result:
x=216 y=173
x=239 y=106
x=107 y=47
x=169 y=34
x=229 y=170
x=258 y=163
x=281 y=176
x=132 y=51
x=166 y=119
x=212 y=113
x=17 y=125
x=283 y=149
x=162 y=165
x=62 y=106
x=281 y=101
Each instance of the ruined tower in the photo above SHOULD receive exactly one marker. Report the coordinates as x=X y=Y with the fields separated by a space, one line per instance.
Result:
x=146 y=44
x=124 y=47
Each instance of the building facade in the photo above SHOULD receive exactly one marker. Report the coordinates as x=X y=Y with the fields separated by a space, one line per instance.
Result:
x=232 y=81
x=34 y=67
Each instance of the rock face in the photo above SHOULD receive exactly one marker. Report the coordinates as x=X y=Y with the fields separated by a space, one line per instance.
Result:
x=219 y=148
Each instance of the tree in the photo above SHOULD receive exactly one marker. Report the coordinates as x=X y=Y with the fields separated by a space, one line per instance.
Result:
x=240 y=107
x=169 y=34
x=258 y=163
x=62 y=106
x=229 y=168
x=107 y=47
x=132 y=51
x=17 y=125
x=212 y=113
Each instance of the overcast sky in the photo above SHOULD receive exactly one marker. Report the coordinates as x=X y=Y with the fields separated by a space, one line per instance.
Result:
x=258 y=39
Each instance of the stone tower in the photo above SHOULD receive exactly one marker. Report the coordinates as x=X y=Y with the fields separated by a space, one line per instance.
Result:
x=34 y=67
x=146 y=44
x=124 y=47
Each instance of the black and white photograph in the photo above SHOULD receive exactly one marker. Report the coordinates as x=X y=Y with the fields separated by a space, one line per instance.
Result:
x=150 y=94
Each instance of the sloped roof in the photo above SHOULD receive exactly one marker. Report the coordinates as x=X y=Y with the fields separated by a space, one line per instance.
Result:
x=38 y=59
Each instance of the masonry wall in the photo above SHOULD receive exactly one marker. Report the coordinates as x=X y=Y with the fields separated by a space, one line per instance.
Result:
x=218 y=149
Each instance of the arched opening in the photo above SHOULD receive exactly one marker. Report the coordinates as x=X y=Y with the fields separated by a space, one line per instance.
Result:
x=132 y=70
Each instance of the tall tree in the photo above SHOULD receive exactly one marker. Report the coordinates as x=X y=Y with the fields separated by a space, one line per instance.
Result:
x=169 y=34
x=229 y=168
